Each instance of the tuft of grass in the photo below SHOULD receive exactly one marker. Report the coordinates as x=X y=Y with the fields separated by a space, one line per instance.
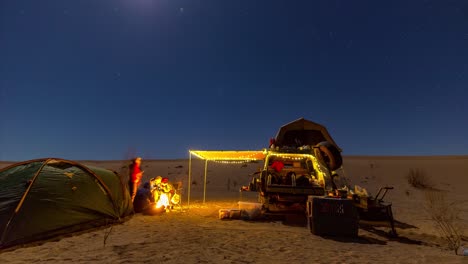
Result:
x=445 y=216
x=419 y=179
x=107 y=234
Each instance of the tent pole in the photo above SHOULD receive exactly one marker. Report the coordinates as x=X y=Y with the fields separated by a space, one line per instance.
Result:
x=189 y=183
x=204 y=186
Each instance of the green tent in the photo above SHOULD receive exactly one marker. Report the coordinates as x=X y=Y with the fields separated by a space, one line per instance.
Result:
x=46 y=198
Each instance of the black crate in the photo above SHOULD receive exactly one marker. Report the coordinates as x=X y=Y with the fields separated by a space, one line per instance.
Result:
x=332 y=216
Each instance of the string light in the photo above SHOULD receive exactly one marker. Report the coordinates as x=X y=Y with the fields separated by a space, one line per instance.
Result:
x=229 y=156
x=246 y=156
x=231 y=161
x=293 y=156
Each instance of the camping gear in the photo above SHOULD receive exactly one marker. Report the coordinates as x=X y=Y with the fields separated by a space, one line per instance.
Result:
x=223 y=213
x=229 y=213
x=302 y=132
x=375 y=208
x=462 y=251
x=46 y=198
x=332 y=216
x=250 y=210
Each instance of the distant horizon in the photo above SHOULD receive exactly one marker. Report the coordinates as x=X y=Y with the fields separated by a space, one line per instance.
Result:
x=195 y=158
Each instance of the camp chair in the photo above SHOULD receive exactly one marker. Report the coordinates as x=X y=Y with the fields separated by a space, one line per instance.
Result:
x=376 y=209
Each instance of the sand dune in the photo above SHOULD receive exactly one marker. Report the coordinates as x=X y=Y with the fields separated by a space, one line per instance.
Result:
x=196 y=235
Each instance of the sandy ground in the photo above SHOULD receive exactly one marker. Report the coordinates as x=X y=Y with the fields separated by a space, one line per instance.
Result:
x=195 y=234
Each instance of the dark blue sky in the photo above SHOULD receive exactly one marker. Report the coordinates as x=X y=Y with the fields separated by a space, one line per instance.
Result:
x=109 y=79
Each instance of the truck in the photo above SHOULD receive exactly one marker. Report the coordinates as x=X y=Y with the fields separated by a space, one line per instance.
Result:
x=298 y=177
x=300 y=162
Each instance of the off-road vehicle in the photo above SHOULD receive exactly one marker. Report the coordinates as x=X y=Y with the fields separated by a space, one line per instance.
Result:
x=301 y=161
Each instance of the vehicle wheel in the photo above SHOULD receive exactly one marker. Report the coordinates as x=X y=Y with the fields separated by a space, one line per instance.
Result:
x=329 y=154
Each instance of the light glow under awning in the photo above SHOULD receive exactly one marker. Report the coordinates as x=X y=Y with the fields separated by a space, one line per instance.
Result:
x=229 y=155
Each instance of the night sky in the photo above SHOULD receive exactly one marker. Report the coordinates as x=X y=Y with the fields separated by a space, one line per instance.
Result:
x=105 y=80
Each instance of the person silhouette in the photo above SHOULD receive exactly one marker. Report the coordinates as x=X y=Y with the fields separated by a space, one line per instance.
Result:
x=135 y=177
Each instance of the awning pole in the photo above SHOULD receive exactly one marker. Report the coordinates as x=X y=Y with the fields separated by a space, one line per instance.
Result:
x=189 y=183
x=204 y=187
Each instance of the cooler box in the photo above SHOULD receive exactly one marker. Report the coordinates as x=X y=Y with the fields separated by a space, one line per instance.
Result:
x=332 y=216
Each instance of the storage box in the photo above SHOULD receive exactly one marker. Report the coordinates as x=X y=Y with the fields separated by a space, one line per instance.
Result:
x=235 y=214
x=229 y=214
x=332 y=216
x=250 y=210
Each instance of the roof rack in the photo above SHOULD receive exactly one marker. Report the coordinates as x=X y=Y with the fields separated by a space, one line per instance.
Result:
x=306 y=149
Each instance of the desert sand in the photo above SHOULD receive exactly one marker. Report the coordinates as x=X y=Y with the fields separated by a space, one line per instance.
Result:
x=195 y=234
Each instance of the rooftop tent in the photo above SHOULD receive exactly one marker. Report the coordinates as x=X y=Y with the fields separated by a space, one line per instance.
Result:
x=45 y=198
x=302 y=132
x=226 y=156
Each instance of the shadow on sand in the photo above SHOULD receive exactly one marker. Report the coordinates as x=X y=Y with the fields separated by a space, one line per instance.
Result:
x=382 y=229
x=361 y=239
x=375 y=227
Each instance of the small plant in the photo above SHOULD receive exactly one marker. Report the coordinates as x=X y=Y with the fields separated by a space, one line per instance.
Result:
x=107 y=234
x=445 y=215
x=419 y=179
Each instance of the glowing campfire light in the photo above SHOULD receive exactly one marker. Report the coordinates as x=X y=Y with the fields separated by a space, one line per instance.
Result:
x=163 y=201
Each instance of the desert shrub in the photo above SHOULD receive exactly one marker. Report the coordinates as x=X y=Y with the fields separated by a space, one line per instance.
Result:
x=445 y=216
x=419 y=179
x=106 y=235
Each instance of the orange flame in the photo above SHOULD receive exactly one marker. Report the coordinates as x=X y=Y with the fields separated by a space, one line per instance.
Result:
x=163 y=201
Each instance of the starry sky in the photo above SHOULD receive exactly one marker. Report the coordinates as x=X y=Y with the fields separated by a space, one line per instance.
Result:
x=111 y=79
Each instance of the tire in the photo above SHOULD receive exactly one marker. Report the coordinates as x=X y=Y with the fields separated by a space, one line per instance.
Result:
x=329 y=154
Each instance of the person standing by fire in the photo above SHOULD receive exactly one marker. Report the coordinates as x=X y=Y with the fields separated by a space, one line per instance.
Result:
x=167 y=188
x=155 y=187
x=135 y=177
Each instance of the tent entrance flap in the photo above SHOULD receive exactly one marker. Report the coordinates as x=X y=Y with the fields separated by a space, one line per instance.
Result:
x=224 y=156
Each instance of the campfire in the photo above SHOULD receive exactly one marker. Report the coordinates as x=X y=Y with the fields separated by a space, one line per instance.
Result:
x=163 y=201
